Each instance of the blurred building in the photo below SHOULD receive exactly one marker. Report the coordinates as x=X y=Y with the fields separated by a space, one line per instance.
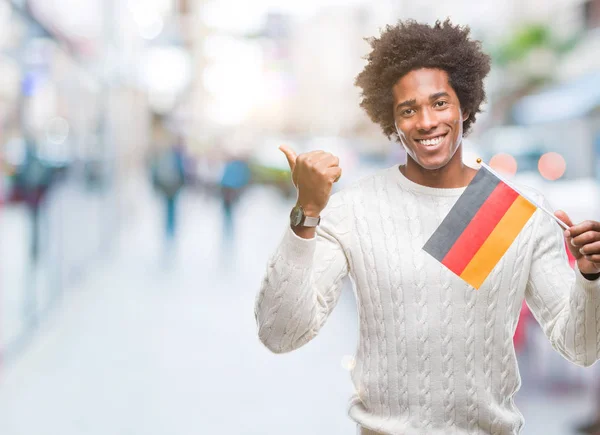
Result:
x=77 y=94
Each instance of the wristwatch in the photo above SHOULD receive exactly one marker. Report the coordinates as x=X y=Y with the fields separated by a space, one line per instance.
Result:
x=299 y=219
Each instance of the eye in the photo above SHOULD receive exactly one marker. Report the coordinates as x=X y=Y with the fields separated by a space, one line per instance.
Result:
x=441 y=103
x=407 y=112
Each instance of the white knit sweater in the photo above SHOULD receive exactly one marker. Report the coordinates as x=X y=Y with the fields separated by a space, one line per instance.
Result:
x=435 y=356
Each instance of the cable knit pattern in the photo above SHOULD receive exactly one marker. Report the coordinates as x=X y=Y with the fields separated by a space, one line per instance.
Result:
x=419 y=362
x=393 y=266
x=307 y=299
x=375 y=284
x=447 y=352
x=277 y=300
x=372 y=334
x=472 y=404
x=490 y=323
x=509 y=369
x=415 y=235
x=580 y=328
x=391 y=235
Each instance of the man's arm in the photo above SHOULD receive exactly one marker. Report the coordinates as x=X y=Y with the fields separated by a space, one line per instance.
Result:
x=565 y=302
x=303 y=282
x=304 y=277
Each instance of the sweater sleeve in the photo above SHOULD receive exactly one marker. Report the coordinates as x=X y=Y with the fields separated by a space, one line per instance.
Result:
x=303 y=282
x=565 y=304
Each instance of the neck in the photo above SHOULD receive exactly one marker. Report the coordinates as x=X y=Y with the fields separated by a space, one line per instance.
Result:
x=454 y=174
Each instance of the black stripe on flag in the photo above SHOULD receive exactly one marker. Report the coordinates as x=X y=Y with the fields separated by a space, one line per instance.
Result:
x=461 y=214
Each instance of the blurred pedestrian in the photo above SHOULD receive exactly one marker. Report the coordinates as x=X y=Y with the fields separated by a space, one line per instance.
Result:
x=168 y=177
x=235 y=178
x=435 y=356
x=32 y=180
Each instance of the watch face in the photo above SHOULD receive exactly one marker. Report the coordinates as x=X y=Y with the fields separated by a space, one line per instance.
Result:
x=296 y=216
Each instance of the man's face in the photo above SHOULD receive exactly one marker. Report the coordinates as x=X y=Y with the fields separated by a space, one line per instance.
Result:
x=428 y=117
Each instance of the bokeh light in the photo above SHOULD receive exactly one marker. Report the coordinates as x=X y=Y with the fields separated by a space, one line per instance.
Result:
x=552 y=166
x=348 y=362
x=57 y=130
x=504 y=163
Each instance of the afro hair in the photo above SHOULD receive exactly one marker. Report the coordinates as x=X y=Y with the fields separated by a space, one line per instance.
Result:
x=409 y=46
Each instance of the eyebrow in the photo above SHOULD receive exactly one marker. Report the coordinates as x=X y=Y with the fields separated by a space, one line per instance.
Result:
x=432 y=97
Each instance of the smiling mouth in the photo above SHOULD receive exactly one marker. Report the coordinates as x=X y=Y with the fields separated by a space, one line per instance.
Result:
x=431 y=142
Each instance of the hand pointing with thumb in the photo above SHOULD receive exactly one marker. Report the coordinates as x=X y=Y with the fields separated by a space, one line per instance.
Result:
x=313 y=174
x=290 y=155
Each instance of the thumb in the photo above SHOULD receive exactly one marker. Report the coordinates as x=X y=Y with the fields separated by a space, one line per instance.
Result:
x=563 y=217
x=290 y=155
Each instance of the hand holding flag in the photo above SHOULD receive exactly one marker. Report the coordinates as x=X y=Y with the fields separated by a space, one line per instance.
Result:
x=583 y=241
x=488 y=217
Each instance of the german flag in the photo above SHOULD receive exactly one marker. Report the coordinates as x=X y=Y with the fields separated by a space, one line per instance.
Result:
x=480 y=228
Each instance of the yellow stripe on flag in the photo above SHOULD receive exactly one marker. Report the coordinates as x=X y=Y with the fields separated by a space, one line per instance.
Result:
x=498 y=242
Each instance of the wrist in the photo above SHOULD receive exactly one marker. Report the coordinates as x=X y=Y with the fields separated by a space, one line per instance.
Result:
x=310 y=210
x=299 y=217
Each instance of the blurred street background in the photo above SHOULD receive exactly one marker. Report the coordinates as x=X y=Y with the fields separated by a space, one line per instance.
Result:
x=142 y=193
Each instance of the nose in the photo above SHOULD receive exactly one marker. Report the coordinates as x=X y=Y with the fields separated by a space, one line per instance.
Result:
x=426 y=120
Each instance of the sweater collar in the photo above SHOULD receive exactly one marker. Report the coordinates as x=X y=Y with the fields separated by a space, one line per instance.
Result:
x=420 y=189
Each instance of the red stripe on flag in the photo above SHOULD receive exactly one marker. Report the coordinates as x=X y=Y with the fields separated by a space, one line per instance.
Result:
x=480 y=227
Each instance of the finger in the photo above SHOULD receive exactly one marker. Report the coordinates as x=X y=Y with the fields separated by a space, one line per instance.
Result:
x=331 y=173
x=584 y=227
x=593 y=259
x=586 y=238
x=310 y=158
x=328 y=161
x=332 y=161
x=590 y=248
x=564 y=217
x=336 y=173
x=313 y=157
x=290 y=155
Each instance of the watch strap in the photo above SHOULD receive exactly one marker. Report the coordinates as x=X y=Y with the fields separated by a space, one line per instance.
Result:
x=310 y=221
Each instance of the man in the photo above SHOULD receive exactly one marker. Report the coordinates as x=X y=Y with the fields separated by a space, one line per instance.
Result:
x=435 y=356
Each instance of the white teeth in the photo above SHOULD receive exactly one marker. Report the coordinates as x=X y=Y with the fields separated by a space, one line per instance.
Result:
x=433 y=141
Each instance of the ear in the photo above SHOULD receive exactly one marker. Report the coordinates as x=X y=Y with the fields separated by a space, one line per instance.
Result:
x=465 y=115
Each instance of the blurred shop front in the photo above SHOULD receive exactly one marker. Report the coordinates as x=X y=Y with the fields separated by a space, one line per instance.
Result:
x=565 y=119
x=71 y=125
